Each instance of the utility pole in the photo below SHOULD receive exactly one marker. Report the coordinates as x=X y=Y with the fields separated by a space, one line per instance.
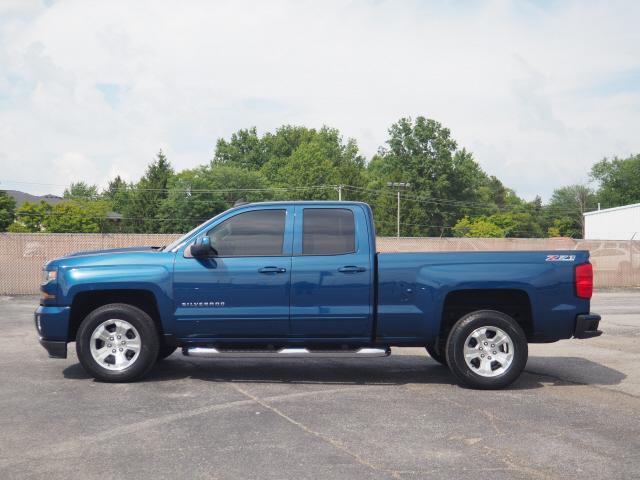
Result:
x=398 y=185
x=340 y=192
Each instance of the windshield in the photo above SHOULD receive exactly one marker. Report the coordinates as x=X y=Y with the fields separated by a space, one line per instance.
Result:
x=185 y=237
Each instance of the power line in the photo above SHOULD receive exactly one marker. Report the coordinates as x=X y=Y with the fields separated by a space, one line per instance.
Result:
x=204 y=219
x=458 y=203
x=354 y=189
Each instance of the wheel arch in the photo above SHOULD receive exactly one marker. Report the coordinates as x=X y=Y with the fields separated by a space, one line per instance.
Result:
x=512 y=301
x=87 y=301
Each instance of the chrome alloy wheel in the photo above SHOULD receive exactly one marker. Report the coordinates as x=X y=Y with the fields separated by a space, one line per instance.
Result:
x=488 y=351
x=115 y=344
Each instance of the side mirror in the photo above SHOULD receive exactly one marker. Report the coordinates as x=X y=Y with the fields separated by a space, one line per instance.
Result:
x=202 y=248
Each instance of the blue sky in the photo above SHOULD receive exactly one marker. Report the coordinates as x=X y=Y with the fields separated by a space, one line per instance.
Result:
x=537 y=90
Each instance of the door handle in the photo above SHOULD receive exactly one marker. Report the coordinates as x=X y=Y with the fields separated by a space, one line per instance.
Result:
x=272 y=270
x=351 y=269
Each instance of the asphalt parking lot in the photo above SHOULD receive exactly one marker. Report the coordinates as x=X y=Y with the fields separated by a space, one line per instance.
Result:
x=574 y=413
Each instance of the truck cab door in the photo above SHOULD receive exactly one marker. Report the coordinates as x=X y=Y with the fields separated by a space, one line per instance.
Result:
x=242 y=291
x=332 y=274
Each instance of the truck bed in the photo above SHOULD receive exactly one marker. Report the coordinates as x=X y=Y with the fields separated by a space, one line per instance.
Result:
x=413 y=290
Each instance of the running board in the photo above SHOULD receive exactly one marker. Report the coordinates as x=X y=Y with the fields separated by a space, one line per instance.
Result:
x=210 y=352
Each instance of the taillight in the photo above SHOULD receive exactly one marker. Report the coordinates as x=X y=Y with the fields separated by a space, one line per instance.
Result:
x=584 y=280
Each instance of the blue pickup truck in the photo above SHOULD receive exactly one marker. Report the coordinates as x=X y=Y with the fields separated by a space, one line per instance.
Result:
x=303 y=279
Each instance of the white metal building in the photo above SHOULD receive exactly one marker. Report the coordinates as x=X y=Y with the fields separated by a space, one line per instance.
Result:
x=618 y=223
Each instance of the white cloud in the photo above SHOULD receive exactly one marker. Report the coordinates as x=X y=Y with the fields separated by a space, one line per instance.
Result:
x=92 y=89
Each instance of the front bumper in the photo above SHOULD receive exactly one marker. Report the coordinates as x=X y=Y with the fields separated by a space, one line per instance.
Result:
x=52 y=324
x=54 y=348
x=587 y=326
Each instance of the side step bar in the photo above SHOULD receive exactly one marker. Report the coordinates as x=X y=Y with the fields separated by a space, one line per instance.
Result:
x=211 y=352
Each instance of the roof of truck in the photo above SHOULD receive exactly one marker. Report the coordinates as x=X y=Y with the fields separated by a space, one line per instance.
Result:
x=306 y=202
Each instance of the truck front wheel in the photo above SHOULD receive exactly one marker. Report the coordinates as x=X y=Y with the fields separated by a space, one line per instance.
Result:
x=117 y=343
x=437 y=352
x=486 y=349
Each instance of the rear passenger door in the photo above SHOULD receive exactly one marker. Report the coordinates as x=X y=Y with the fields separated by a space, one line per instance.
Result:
x=331 y=273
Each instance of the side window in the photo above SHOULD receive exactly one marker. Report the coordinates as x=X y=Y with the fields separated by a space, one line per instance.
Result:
x=256 y=233
x=328 y=231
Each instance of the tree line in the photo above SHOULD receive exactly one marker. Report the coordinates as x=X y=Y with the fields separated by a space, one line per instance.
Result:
x=448 y=193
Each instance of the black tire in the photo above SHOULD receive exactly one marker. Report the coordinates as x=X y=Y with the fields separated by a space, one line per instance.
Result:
x=436 y=351
x=149 y=342
x=463 y=373
x=164 y=351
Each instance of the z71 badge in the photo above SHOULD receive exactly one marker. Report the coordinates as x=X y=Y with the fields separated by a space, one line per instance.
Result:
x=561 y=258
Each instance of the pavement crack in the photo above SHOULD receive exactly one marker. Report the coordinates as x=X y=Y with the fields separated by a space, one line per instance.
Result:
x=86 y=440
x=83 y=441
x=325 y=438
x=504 y=456
x=507 y=459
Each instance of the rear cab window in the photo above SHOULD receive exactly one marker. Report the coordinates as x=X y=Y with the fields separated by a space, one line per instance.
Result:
x=328 y=231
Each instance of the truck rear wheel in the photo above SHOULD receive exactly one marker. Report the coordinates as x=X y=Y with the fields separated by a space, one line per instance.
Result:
x=486 y=349
x=117 y=343
x=164 y=351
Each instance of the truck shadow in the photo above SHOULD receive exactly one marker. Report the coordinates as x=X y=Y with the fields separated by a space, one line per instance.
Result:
x=394 y=370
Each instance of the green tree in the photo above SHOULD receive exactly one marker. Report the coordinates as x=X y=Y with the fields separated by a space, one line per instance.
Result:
x=32 y=215
x=448 y=187
x=503 y=224
x=301 y=146
x=478 y=227
x=64 y=217
x=71 y=216
x=307 y=167
x=445 y=182
x=115 y=189
x=618 y=179
x=566 y=208
x=7 y=210
x=118 y=194
x=560 y=227
x=245 y=150
x=195 y=195
x=143 y=202
x=17 y=227
x=495 y=197
x=80 y=191
x=522 y=224
x=287 y=138
x=295 y=157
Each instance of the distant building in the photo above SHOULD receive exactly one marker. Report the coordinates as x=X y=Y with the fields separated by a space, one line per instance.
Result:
x=618 y=223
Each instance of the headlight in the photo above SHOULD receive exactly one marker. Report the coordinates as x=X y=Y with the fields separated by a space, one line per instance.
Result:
x=48 y=275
